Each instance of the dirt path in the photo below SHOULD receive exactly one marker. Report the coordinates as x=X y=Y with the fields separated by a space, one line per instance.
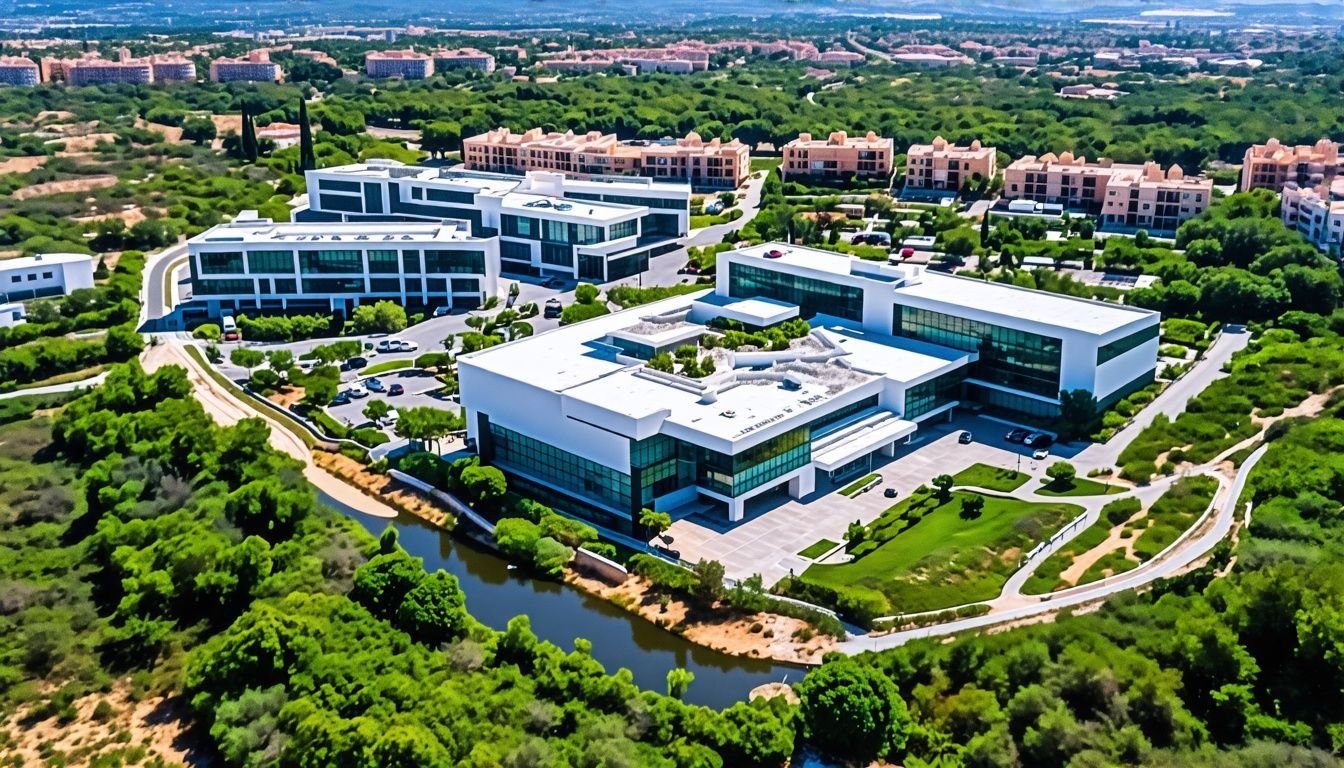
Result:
x=223 y=408
x=22 y=164
x=1113 y=542
x=158 y=727
x=84 y=184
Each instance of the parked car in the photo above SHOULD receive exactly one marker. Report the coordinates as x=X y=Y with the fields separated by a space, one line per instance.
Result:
x=1040 y=453
x=553 y=308
x=1040 y=440
x=409 y=346
x=341 y=398
x=395 y=389
x=1018 y=435
x=441 y=311
x=965 y=437
x=890 y=493
x=375 y=385
x=355 y=363
x=390 y=420
x=391 y=344
x=358 y=391
x=1031 y=438
x=552 y=282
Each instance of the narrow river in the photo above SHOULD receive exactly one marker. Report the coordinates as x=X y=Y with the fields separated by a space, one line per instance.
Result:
x=561 y=614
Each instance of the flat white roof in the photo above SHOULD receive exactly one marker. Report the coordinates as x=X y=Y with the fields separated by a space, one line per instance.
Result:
x=757 y=311
x=499 y=182
x=44 y=259
x=1085 y=315
x=547 y=206
x=249 y=230
x=574 y=361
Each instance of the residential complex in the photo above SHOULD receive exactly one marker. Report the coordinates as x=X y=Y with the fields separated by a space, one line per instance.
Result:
x=463 y=58
x=1089 y=91
x=941 y=166
x=406 y=64
x=597 y=230
x=1273 y=164
x=928 y=56
x=838 y=156
x=1125 y=197
x=17 y=70
x=255 y=262
x=580 y=413
x=680 y=59
x=712 y=164
x=50 y=274
x=1317 y=213
x=93 y=69
x=255 y=67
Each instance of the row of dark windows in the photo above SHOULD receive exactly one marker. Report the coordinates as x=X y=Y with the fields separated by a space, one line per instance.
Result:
x=1120 y=346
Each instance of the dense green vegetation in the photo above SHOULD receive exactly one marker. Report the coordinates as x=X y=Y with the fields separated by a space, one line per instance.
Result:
x=140 y=537
x=1046 y=578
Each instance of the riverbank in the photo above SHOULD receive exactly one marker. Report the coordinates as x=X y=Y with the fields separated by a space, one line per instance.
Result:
x=384 y=489
x=754 y=636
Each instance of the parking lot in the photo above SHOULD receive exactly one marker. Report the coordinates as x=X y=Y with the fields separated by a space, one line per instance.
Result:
x=420 y=389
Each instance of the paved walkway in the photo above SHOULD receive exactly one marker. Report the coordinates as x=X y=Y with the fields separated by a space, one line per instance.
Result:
x=68 y=386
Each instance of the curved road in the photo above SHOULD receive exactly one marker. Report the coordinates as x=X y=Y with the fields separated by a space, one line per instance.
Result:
x=1176 y=558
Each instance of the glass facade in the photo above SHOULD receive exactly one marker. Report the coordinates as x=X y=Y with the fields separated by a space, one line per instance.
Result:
x=1108 y=352
x=518 y=226
x=270 y=261
x=559 y=255
x=225 y=263
x=221 y=287
x=755 y=466
x=933 y=394
x=835 y=419
x=1010 y=358
x=559 y=468
x=623 y=229
x=334 y=285
x=455 y=262
x=511 y=251
x=812 y=297
x=331 y=262
x=383 y=262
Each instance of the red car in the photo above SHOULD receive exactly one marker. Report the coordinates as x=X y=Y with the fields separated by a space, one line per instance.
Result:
x=396 y=389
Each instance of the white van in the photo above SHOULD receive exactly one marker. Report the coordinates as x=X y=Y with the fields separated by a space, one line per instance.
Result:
x=390 y=420
x=390 y=344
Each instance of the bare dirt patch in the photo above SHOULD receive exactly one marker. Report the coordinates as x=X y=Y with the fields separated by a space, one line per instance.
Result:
x=51 y=114
x=226 y=123
x=22 y=164
x=85 y=143
x=84 y=184
x=156 y=729
x=171 y=133
x=1111 y=543
x=719 y=629
x=129 y=218
x=385 y=489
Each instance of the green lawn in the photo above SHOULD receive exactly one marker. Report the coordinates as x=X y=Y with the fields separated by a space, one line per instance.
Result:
x=853 y=488
x=1116 y=562
x=990 y=478
x=818 y=549
x=921 y=555
x=1079 y=486
x=765 y=163
x=387 y=365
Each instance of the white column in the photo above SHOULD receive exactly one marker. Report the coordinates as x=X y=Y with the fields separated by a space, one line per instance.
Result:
x=736 y=508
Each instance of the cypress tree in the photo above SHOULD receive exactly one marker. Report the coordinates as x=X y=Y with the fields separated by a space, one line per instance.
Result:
x=307 y=160
x=249 y=137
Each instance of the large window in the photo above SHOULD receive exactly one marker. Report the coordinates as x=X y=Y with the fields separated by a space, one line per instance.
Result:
x=585 y=234
x=450 y=196
x=334 y=285
x=755 y=466
x=836 y=419
x=455 y=262
x=812 y=297
x=933 y=394
x=623 y=229
x=518 y=226
x=1120 y=346
x=330 y=262
x=558 y=255
x=555 y=231
x=410 y=262
x=227 y=263
x=383 y=262
x=560 y=468
x=1008 y=357
x=510 y=251
x=270 y=262
x=339 y=203
x=222 y=287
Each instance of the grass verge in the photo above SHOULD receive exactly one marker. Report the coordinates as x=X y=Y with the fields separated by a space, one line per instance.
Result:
x=818 y=549
x=853 y=488
x=1079 y=486
x=990 y=478
x=387 y=365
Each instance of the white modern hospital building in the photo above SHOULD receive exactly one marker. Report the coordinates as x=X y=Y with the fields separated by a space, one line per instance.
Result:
x=579 y=411
x=360 y=221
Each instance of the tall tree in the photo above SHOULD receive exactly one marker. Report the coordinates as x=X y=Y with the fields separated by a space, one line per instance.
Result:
x=307 y=160
x=249 y=136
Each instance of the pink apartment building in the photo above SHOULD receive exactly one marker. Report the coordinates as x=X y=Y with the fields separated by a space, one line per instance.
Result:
x=711 y=164
x=93 y=69
x=1125 y=197
x=838 y=156
x=941 y=166
x=463 y=58
x=18 y=70
x=406 y=64
x=255 y=67
x=1273 y=164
